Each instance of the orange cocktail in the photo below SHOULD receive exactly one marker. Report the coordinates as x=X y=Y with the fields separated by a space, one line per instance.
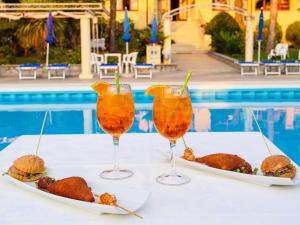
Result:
x=115 y=114
x=172 y=115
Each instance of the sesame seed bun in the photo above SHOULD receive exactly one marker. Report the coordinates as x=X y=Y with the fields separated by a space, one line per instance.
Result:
x=274 y=163
x=30 y=164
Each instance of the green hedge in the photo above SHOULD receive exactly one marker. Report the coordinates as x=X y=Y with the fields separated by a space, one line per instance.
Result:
x=227 y=36
x=293 y=34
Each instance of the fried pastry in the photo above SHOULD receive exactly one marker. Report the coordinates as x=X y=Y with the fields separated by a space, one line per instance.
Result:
x=72 y=187
x=226 y=161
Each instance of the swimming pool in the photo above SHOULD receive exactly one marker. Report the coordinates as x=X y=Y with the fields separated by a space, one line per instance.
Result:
x=73 y=112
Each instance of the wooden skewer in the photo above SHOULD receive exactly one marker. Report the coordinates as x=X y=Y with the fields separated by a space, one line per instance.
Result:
x=130 y=212
x=185 y=145
x=123 y=208
x=41 y=134
x=262 y=135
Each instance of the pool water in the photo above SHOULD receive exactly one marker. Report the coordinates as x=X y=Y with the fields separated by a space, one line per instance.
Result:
x=280 y=124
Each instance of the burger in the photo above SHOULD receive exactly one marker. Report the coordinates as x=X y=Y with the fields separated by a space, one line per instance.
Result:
x=278 y=166
x=27 y=168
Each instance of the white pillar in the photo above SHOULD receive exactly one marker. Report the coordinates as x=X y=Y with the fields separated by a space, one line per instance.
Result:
x=85 y=36
x=167 y=51
x=88 y=121
x=249 y=38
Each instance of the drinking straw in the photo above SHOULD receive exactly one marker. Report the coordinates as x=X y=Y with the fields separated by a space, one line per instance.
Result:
x=186 y=80
x=41 y=133
x=262 y=135
x=117 y=82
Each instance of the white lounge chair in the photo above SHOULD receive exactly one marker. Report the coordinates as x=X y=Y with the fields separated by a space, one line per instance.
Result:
x=249 y=68
x=142 y=70
x=128 y=62
x=272 y=67
x=96 y=61
x=281 y=50
x=30 y=69
x=104 y=67
x=59 y=71
x=292 y=67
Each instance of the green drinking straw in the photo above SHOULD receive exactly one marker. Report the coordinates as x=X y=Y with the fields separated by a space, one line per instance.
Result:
x=117 y=82
x=187 y=78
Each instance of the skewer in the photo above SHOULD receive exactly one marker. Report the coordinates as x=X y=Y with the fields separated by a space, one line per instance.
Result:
x=123 y=208
x=41 y=133
x=130 y=212
x=262 y=135
x=185 y=145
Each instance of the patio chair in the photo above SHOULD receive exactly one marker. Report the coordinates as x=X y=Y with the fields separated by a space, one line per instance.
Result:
x=128 y=62
x=281 y=50
x=292 y=67
x=103 y=68
x=59 y=71
x=272 y=67
x=30 y=69
x=249 y=68
x=142 y=70
x=96 y=60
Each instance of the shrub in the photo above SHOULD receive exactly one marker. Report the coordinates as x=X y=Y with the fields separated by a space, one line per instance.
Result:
x=227 y=36
x=293 y=34
x=278 y=34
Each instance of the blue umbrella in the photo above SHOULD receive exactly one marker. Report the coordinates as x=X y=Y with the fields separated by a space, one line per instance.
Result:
x=126 y=36
x=154 y=30
x=50 y=38
x=260 y=31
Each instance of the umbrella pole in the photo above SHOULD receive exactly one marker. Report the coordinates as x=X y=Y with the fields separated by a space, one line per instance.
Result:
x=258 y=53
x=47 y=55
x=127 y=52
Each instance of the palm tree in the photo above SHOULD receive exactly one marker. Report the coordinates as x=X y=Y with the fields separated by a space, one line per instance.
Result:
x=112 y=25
x=272 y=25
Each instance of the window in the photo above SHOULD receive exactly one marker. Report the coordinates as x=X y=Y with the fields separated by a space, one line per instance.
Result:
x=130 y=4
x=282 y=4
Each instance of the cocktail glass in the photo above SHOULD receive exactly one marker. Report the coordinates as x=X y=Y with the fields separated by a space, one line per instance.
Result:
x=115 y=114
x=172 y=115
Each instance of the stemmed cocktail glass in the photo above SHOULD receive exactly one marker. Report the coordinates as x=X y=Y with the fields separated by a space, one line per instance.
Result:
x=172 y=115
x=115 y=114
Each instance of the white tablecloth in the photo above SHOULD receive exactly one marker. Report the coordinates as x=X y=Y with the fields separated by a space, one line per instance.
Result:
x=208 y=199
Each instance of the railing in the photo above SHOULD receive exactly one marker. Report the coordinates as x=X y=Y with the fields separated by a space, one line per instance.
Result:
x=215 y=6
x=38 y=7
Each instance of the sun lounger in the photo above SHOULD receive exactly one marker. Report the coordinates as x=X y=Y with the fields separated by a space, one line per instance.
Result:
x=272 y=67
x=249 y=68
x=142 y=70
x=292 y=67
x=30 y=69
x=104 y=67
x=59 y=71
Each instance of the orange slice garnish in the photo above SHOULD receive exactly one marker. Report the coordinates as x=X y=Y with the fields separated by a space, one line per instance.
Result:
x=159 y=90
x=100 y=87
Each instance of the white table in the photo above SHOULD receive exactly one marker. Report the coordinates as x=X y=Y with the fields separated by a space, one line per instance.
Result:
x=208 y=199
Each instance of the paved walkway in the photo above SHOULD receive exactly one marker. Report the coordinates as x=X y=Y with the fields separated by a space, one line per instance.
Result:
x=207 y=72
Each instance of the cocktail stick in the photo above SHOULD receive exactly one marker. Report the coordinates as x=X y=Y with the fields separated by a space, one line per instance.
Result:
x=41 y=134
x=262 y=135
x=108 y=199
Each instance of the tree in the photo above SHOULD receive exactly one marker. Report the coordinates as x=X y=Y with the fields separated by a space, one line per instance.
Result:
x=112 y=25
x=272 y=25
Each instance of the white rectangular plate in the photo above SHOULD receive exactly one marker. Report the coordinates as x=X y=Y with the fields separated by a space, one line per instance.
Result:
x=130 y=198
x=256 y=179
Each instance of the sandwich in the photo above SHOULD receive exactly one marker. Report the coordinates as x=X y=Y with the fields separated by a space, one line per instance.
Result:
x=278 y=166
x=27 y=168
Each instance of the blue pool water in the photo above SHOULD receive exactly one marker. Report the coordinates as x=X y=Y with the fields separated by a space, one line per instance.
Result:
x=74 y=113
